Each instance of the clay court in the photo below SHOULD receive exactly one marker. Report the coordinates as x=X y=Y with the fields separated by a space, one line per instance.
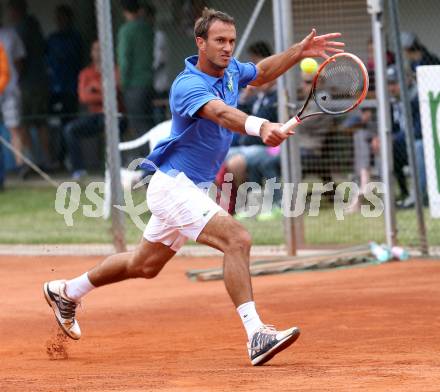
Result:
x=375 y=328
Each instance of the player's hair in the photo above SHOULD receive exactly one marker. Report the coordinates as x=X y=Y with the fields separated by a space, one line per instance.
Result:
x=209 y=16
x=260 y=49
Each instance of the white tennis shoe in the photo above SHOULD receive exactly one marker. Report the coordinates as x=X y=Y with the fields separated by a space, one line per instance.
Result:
x=266 y=342
x=63 y=307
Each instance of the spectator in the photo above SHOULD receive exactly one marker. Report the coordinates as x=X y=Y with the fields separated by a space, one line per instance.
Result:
x=161 y=82
x=10 y=100
x=90 y=95
x=33 y=79
x=64 y=57
x=311 y=137
x=416 y=53
x=4 y=80
x=400 y=156
x=135 y=59
x=370 y=65
x=362 y=125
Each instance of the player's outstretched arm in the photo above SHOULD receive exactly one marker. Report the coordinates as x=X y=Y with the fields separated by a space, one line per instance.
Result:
x=311 y=46
x=238 y=121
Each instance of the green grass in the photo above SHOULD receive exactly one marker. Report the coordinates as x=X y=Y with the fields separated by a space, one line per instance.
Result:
x=28 y=216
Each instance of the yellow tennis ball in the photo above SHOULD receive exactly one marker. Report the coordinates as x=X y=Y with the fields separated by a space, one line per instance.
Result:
x=309 y=65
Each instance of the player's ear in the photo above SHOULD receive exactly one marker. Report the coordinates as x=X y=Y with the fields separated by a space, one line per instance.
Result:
x=201 y=43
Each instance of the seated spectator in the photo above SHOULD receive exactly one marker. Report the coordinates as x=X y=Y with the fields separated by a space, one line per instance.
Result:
x=312 y=137
x=400 y=156
x=361 y=124
x=65 y=60
x=91 y=124
x=416 y=52
x=371 y=68
x=264 y=162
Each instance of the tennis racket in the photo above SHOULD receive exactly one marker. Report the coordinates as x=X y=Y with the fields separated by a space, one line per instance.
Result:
x=340 y=85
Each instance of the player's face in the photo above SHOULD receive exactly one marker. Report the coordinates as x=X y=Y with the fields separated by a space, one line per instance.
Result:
x=219 y=46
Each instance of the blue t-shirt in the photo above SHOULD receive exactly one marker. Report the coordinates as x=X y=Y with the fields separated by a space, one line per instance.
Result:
x=197 y=146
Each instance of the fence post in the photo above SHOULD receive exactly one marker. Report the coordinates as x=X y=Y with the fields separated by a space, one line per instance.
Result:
x=113 y=158
x=290 y=157
x=409 y=126
x=375 y=8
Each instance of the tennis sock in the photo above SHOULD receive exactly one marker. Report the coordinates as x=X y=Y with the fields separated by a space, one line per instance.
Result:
x=249 y=317
x=78 y=287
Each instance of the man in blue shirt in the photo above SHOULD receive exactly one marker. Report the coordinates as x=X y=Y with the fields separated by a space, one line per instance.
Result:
x=203 y=100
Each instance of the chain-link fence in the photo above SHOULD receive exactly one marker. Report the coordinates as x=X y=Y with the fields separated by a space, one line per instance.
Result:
x=61 y=127
x=413 y=29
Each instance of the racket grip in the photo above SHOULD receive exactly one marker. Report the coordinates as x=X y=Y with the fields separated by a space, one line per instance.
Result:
x=291 y=124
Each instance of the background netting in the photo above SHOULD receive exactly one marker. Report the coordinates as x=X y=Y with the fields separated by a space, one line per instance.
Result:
x=62 y=127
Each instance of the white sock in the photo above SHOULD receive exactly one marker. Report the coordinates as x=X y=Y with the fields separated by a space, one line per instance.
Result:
x=78 y=287
x=249 y=317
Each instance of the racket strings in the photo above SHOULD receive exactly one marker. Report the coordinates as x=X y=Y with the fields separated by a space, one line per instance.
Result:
x=339 y=86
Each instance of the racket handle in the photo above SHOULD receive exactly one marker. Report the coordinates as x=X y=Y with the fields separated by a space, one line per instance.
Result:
x=291 y=124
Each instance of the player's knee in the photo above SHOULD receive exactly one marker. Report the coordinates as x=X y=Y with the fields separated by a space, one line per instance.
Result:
x=240 y=242
x=139 y=268
x=149 y=272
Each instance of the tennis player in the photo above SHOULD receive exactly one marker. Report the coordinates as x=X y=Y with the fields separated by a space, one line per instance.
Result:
x=203 y=102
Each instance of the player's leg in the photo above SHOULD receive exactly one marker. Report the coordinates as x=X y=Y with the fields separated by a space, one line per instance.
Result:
x=229 y=236
x=224 y=233
x=145 y=262
x=160 y=242
x=188 y=209
x=63 y=296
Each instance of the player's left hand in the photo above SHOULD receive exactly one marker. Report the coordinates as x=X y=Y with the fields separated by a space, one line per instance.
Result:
x=318 y=45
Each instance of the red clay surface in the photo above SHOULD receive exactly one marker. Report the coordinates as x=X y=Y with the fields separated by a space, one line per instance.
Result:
x=364 y=329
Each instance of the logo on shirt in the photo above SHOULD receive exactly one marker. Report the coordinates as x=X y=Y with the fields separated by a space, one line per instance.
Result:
x=230 y=82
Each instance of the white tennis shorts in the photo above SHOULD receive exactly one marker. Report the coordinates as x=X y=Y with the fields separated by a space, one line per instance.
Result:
x=180 y=210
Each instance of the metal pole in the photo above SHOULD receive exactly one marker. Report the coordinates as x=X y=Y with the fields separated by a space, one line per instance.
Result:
x=249 y=27
x=113 y=158
x=375 y=8
x=289 y=161
x=409 y=126
x=294 y=156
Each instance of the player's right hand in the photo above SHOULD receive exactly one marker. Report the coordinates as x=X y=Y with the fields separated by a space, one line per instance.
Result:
x=272 y=135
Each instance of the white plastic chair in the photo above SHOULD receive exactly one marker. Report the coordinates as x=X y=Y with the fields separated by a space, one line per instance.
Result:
x=130 y=177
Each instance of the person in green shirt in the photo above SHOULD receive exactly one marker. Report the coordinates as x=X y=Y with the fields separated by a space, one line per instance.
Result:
x=135 y=60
